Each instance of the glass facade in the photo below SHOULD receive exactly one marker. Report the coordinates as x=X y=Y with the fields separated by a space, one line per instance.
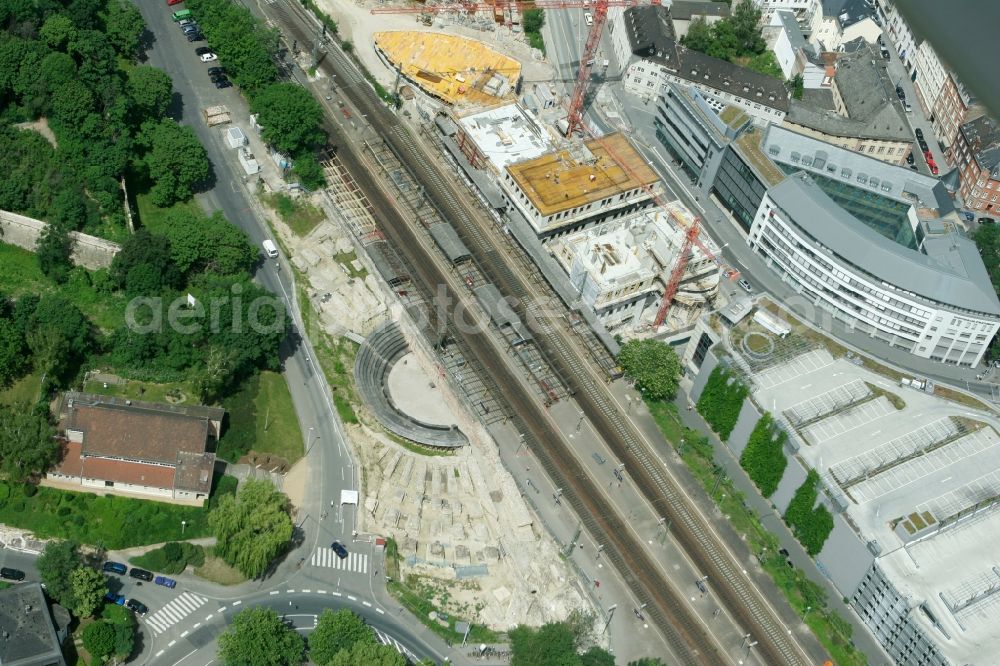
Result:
x=738 y=188
x=885 y=216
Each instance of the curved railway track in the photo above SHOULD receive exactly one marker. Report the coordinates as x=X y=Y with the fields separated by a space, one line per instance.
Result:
x=689 y=638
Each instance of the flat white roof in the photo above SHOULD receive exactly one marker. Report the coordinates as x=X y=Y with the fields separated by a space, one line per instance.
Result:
x=507 y=134
x=902 y=471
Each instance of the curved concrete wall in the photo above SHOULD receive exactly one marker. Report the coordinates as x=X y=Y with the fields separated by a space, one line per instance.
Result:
x=88 y=251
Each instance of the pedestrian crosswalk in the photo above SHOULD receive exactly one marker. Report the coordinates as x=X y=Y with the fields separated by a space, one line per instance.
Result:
x=175 y=611
x=325 y=557
x=386 y=639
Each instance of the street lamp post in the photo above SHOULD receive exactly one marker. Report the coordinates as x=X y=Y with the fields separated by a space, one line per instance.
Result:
x=611 y=614
x=183 y=525
x=521 y=445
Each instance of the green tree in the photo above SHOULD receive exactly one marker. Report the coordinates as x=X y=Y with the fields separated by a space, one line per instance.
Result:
x=553 y=643
x=745 y=22
x=699 y=36
x=252 y=528
x=597 y=656
x=987 y=239
x=336 y=631
x=811 y=524
x=211 y=244
x=150 y=89
x=12 y=358
x=72 y=104
x=89 y=587
x=653 y=365
x=291 y=117
x=368 y=654
x=123 y=622
x=124 y=27
x=764 y=457
x=57 y=31
x=721 y=401
x=58 y=335
x=145 y=265
x=258 y=637
x=176 y=161
x=99 y=639
x=53 y=251
x=27 y=441
x=532 y=20
x=58 y=560
x=309 y=172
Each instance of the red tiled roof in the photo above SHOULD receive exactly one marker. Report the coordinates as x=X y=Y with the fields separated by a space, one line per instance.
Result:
x=136 y=433
x=119 y=471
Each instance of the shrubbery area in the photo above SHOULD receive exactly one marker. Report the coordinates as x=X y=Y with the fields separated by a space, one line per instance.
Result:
x=171 y=558
x=764 y=456
x=109 y=520
x=653 y=365
x=735 y=38
x=721 y=401
x=811 y=524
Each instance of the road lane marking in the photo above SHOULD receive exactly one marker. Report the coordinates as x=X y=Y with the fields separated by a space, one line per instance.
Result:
x=183 y=634
x=380 y=611
x=171 y=643
x=274 y=592
x=159 y=653
x=237 y=603
x=306 y=591
x=320 y=591
x=336 y=594
x=366 y=604
x=352 y=598
x=196 y=625
x=211 y=615
x=289 y=591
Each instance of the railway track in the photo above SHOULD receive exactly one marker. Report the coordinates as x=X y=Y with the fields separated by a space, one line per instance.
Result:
x=667 y=608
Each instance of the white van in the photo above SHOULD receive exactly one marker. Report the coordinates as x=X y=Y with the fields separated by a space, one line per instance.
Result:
x=588 y=18
x=270 y=249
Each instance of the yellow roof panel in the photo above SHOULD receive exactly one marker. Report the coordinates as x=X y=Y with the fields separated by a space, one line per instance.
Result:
x=451 y=68
x=557 y=181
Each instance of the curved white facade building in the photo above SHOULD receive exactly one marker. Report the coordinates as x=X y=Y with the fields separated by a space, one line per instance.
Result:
x=935 y=302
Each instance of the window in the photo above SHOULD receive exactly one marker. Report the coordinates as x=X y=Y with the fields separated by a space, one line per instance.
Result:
x=773 y=150
x=845 y=173
x=862 y=178
x=806 y=160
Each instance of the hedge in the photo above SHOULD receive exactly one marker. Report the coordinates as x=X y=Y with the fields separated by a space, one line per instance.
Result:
x=811 y=524
x=721 y=401
x=764 y=456
x=171 y=558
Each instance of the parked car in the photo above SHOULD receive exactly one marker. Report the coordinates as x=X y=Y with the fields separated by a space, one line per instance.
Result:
x=136 y=606
x=188 y=29
x=202 y=50
x=215 y=71
x=141 y=574
x=11 y=574
x=928 y=156
x=909 y=158
x=919 y=132
x=166 y=582
x=339 y=549
x=746 y=286
x=195 y=37
x=118 y=599
x=934 y=167
x=208 y=57
x=115 y=567
x=223 y=83
x=923 y=145
x=174 y=2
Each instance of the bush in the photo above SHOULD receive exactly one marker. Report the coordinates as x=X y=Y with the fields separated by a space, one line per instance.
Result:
x=764 y=457
x=172 y=558
x=721 y=401
x=64 y=511
x=29 y=490
x=4 y=491
x=811 y=525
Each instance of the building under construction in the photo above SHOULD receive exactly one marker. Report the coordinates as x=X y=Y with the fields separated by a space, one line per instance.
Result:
x=453 y=69
x=621 y=269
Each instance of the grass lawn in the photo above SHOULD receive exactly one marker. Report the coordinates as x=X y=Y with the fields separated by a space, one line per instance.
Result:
x=345 y=259
x=179 y=394
x=261 y=419
x=152 y=217
x=415 y=596
x=832 y=631
x=24 y=390
x=298 y=214
x=336 y=358
x=19 y=274
x=217 y=571
x=116 y=522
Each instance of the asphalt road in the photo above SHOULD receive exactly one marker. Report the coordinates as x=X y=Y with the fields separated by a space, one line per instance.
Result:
x=331 y=468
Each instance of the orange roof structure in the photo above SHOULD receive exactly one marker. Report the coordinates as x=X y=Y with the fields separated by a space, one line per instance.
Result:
x=568 y=179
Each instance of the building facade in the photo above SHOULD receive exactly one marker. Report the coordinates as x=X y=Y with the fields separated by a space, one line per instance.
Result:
x=955 y=106
x=977 y=157
x=808 y=13
x=934 y=302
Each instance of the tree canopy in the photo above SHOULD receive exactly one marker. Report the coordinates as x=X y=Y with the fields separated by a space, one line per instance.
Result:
x=553 y=643
x=336 y=631
x=89 y=587
x=258 y=637
x=27 y=441
x=99 y=639
x=653 y=365
x=764 y=457
x=369 y=654
x=291 y=117
x=176 y=161
x=145 y=266
x=252 y=528
x=58 y=335
x=811 y=524
x=734 y=38
x=199 y=244
x=58 y=560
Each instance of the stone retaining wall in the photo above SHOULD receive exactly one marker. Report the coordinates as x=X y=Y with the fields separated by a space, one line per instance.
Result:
x=88 y=251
